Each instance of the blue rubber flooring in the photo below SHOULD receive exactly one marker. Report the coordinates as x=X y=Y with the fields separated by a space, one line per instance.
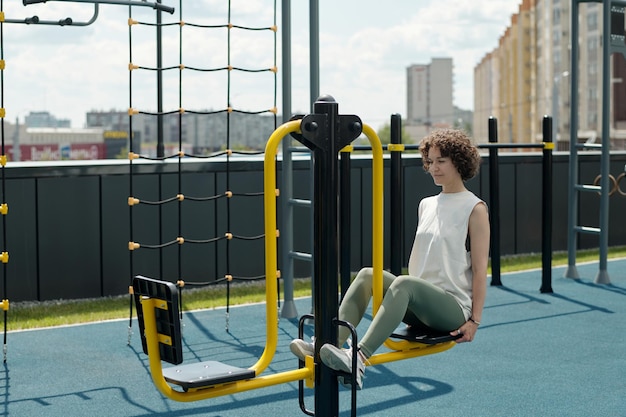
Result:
x=559 y=354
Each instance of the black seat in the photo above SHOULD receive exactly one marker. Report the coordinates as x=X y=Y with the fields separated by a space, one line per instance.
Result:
x=423 y=334
x=189 y=376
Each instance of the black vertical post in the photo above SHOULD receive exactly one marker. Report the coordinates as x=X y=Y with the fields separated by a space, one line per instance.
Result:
x=494 y=203
x=160 y=143
x=396 y=197
x=546 y=208
x=326 y=133
x=344 y=222
x=325 y=266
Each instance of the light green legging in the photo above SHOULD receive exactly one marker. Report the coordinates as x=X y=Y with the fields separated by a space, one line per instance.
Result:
x=406 y=299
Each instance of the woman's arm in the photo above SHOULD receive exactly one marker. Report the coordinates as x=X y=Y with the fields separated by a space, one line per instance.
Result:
x=479 y=233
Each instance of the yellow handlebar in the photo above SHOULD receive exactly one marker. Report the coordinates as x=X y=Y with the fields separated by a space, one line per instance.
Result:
x=271 y=266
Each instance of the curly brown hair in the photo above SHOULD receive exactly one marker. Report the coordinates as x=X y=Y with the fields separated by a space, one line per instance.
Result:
x=456 y=145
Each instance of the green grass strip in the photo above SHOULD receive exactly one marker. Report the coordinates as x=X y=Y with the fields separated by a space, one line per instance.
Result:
x=30 y=315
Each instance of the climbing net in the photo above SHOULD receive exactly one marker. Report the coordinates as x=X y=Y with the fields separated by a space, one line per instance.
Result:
x=186 y=71
x=4 y=208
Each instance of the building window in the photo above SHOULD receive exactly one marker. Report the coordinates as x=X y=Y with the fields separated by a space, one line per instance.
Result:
x=592 y=21
x=556 y=37
x=556 y=15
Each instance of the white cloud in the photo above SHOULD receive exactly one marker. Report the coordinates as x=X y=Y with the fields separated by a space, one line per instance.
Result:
x=365 y=47
x=367 y=63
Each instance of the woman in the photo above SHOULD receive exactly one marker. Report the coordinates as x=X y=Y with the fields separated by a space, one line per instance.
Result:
x=446 y=285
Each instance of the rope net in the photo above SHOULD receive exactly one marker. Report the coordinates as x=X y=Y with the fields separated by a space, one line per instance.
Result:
x=188 y=70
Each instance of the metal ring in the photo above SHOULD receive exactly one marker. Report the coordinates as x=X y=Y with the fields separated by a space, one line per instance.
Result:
x=612 y=178
x=618 y=181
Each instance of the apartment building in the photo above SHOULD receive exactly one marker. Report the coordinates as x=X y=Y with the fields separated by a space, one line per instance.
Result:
x=527 y=76
x=429 y=97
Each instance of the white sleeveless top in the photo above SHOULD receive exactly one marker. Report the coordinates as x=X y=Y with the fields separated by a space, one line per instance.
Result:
x=439 y=253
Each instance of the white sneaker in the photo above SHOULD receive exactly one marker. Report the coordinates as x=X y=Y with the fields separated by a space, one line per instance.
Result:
x=341 y=360
x=302 y=349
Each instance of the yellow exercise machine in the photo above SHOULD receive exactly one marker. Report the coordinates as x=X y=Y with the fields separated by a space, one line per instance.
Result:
x=157 y=301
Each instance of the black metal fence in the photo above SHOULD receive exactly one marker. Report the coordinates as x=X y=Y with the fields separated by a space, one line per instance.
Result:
x=68 y=224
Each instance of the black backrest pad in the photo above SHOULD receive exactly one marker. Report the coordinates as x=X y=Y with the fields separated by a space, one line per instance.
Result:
x=167 y=320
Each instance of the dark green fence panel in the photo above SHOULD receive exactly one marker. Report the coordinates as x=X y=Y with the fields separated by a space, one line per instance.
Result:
x=68 y=225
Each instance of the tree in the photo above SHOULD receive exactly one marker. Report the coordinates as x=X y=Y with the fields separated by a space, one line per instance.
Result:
x=384 y=133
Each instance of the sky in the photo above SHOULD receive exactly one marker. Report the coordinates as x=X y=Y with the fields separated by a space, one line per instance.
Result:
x=365 y=48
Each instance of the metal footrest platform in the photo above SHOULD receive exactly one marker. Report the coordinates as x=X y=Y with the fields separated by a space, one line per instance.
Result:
x=204 y=374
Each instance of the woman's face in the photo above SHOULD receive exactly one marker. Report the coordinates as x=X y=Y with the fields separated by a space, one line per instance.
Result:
x=441 y=168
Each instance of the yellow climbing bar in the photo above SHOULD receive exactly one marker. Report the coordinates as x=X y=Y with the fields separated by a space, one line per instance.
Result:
x=377 y=214
x=271 y=253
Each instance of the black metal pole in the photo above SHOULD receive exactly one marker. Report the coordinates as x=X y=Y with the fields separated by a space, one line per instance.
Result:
x=344 y=222
x=160 y=146
x=325 y=133
x=396 y=197
x=325 y=265
x=159 y=44
x=546 y=208
x=494 y=203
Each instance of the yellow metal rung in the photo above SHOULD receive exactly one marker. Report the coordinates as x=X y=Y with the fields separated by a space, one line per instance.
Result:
x=395 y=147
x=165 y=339
x=4 y=257
x=4 y=209
x=5 y=305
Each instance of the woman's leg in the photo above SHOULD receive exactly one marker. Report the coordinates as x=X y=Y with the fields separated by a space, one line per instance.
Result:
x=435 y=308
x=356 y=300
x=429 y=304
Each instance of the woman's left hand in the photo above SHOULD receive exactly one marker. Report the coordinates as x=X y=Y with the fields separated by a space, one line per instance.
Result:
x=467 y=332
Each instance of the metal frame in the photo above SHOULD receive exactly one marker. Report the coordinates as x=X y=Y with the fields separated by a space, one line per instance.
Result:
x=574 y=187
